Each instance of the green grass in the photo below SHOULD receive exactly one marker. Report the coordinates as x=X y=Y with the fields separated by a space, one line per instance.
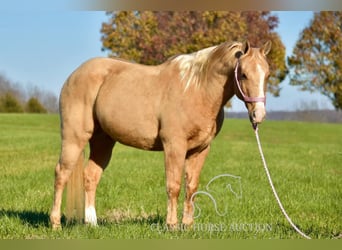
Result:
x=304 y=161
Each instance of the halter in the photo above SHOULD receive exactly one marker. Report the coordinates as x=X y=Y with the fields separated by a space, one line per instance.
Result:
x=246 y=98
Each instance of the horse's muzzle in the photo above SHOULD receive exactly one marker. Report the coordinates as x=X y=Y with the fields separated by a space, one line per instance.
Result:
x=257 y=115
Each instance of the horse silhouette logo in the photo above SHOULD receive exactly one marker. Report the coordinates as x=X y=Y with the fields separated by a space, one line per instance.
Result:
x=219 y=185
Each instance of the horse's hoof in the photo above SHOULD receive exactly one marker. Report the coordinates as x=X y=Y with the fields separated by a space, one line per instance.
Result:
x=186 y=227
x=56 y=227
x=188 y=221
x=55 y=222
x=172 y=227
x=91 y=224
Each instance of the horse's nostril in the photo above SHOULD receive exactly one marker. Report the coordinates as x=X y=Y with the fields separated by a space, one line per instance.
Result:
x=256 y=116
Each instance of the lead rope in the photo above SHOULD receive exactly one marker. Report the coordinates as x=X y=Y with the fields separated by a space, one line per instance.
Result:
x=272 y=186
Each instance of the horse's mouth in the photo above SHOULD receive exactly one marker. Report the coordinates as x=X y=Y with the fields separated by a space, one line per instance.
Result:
x=257 y=116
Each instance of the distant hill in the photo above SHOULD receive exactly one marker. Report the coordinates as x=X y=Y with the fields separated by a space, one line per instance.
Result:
x=329 y=116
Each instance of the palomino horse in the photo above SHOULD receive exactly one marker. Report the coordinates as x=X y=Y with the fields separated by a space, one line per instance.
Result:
x=176 y=107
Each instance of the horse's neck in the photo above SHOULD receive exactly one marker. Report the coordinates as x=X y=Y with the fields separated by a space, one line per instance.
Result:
x=219 y=87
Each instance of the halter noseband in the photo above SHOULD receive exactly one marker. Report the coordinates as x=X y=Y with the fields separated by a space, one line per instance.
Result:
x=246 y=98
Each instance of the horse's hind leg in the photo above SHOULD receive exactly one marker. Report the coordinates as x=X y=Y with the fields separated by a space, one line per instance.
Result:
x=72 y=151
x=193 y=167
x=101 y=146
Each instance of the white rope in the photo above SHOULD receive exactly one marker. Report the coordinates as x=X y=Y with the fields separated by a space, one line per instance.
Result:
x=272 y=186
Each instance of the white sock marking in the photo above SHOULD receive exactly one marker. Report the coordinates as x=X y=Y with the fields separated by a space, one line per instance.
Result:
x=90 y=216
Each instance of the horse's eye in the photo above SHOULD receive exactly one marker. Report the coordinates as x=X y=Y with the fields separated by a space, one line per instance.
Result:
x=243 y=76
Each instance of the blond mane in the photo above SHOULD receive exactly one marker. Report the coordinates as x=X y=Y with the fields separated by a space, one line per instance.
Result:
x=193 y=67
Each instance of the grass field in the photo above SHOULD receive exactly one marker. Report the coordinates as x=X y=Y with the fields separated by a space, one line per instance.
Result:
x=304 y=160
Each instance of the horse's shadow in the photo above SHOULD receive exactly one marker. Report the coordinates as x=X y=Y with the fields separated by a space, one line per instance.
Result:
x=137 y=220
x=34 y=219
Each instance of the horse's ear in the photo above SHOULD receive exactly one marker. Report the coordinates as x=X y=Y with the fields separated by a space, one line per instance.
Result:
x=266 y=48
x=245 y=47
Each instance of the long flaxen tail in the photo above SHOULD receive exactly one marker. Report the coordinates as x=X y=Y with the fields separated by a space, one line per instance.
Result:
x=75 y=193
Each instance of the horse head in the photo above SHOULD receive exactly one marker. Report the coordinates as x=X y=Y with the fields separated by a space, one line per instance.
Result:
x=251 y=73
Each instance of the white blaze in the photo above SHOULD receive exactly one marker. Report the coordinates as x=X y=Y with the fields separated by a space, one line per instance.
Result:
x=261 y=80
x=260 y=106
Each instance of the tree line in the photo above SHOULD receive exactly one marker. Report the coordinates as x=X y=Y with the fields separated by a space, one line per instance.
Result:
x=15 y=99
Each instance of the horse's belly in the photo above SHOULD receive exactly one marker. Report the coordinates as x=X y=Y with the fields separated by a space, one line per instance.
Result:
x=141 y=142
x=142 y=134
x=129 y=115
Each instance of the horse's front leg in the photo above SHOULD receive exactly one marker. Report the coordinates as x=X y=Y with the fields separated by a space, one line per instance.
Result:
x=193 y=167
x=174 y=165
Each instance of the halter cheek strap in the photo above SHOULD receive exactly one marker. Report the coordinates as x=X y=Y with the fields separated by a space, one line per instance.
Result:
x=246 y=98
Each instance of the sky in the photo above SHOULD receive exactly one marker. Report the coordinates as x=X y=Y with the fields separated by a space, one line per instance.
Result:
x=42 y=48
